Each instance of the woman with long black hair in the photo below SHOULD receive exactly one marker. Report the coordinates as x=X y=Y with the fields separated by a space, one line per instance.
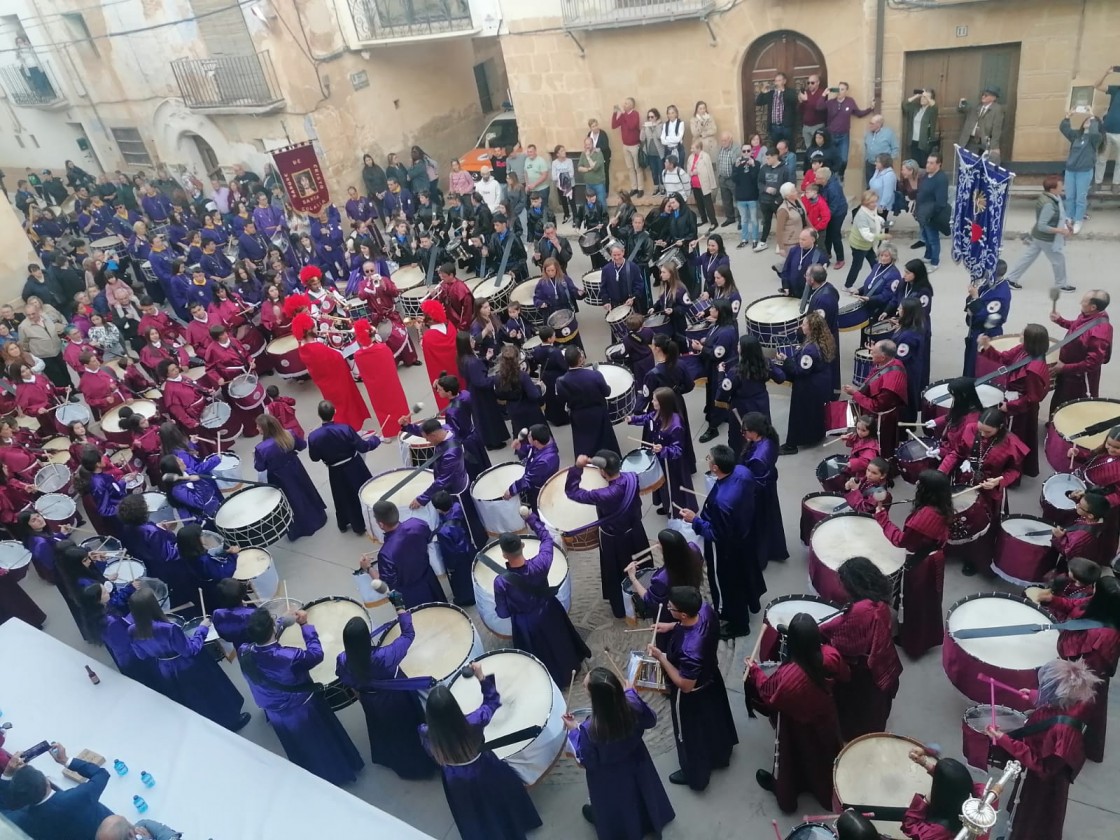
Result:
x=760 y=456
x=192 y=495
x=514 y=388
x=211 y=567
x=965 y=409
x=719 y=347
x=101 y=492
x=682 y=565
x=110 y=623
x=663 y=428
x=473 y=371
x=668 y=373
x=938 y=816
x=742 y=385
x=910 y=341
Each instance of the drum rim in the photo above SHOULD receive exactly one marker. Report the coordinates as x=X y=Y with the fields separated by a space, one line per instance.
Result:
x=233 y=496
x=1054 y=426
x=835 y=495
x=489 y=653
x=264 y=551
x=560 y=475
x=946 y=382
x=491 y=469
x=24 y=553
x=822 y=826
x=999 y=707
x=1009 y=596
x=746 y=309
x=858 y=739
x=412 y=612
x=804 y=596
x=332 y=598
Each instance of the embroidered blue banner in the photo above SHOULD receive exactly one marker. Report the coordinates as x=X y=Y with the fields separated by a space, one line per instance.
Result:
x=979 y=210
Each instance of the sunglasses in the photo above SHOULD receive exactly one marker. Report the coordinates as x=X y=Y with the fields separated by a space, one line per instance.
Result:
x=368 y=273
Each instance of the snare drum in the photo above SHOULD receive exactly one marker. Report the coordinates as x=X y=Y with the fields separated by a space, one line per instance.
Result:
x=633 y=606
x=246 y=391
x=356 y=308
x=135 y=481
x=564 y=322
x=875 y=331
x=415 y=450
x=446 y=640
x=218 y=416
x=812 y=831
x=622 y=397
x=411 y=300
x=255 y=517
x=328 y=616
x=775 y=321
x=159 y=508
x=861 y=366
x=255 y=567
x=109 y=546
x=911 y=458
x=73 y=412
x=15 y=561
x=377 y=488
x=971 y=518
x=658 y=324
x=831 y=474
x=591 y=241
x=673 y=257
x=57 y=508
x=816 y=507
x=647 y=467
x=227 y=475
x=522 y=295
x=592 y=283
x=645 y=673
x=286 y=360
x=483 y=578
x=1023 y=556
x=499 y=516
x=53 y=478
x=852 y=311
x=616 y=320
x=1057 y=506
x=1072 y=419
x=780 y=612
x=1013 y=660
x=936 y=400
x=615 y=354
x=844 y=535
x=876 y=770
x=124 y=571
x=529 y=698
x=111 y=419
x=569 y=519
x=840 y=416
x=608 y=244
x=975 y=743
x=191 y=626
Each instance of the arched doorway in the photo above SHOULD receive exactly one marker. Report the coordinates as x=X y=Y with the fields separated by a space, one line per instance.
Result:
x=206 y=154
x=786 y=52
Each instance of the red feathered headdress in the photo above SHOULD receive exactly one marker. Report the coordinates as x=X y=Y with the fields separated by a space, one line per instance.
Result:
x=363 y=332
x=302 y=324
x=434 y=310
x=308 y=272
x=296 y=303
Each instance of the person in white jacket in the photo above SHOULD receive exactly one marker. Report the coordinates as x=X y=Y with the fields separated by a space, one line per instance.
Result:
x=489 y=189
x=702 y=180
x=674 y=179
x=672 y=135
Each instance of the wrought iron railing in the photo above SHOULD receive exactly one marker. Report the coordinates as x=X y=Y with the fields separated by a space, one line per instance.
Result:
x=227 y=81
x=34 y=85
x=595 y=14
x=377 y=20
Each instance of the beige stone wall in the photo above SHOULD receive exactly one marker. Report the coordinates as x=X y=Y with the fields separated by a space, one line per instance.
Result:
x=16 y=252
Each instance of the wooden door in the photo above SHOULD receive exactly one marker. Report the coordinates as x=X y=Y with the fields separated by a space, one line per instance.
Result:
x=786 y=52
x=962 y=74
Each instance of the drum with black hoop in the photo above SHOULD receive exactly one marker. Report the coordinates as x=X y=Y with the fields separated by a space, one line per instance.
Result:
x=875 y=331
x=816 y=507
x=812 y=831
x=632 y=605
x=616 y=354
x=495 y=290
x=672 y=257
x=831 y=473
x=57 y=509
x=565 y=325
x=1057 y=506
x=775 y=321
x=329 y=617
x=591 y=241
x=246 y=391
x=570 y=520
x=936 y=400
x=1024 y=555
x=644 y=464
x=522 y=295
x=446 y=640
x=529 y=699
x=411 y=300
x=874 y=772
x=111 y=420
x=356 y=308
x=852 y=311
x=912 y=458
x=415 y=450
x=975 y=743
x=1067 y=429
x=255 y=567
x=408 y=277
x=255 y=517
x=483 y=575
x=861 y=366
x=780 y=612
x=499 y=516
x=623 y=396
x=658 y=324
x=844 y=535
x=73 y=412
x=592 y=283
x=616 y=320
x=285 y=359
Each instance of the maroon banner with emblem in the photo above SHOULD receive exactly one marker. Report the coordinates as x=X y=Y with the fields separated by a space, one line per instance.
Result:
x=303 y=178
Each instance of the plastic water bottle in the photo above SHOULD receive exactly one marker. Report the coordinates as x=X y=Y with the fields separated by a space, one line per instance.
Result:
x=140 y=804
x=120 y=767
x=146 y=779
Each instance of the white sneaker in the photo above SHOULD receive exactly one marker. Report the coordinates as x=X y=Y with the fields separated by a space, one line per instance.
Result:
x=931 y=268
x=1077 y=227
x=761 y=246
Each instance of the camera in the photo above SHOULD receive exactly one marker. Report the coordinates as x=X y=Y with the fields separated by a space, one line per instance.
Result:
x=918 y=91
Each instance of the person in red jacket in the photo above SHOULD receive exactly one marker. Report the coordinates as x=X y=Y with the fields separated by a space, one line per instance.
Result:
x=1078 y=370
x=198 y=328
x=816 y=208
x=227 y=358
x=1031 y=383
x=151 y=316
x=456 y=298
x=869 y=491
x=864 y=444
x=283 y=409
x=378 y=370
x=883 y=393
x=36 y=396
x=73 y=345
x=98 y=384
x=330 y=371
x=438 y=343
x=183 y=398
x=1101 y=469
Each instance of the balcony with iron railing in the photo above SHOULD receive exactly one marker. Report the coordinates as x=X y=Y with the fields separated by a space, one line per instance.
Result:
x=609 y=14
x=391 y=21
x=229 y=84
x=32 y=85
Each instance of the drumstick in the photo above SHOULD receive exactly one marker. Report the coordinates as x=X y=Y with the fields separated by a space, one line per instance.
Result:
x=1072 y=456
x=176 y=521
x=997 y=684
x=639 y=440
x=642 y=553
x=202 y=606
x=992 y=687
x=572 y=684
x=841 y=437
x=693 y=492
x=653 y=631
x=204 y=440
x=918 y=439
x=914 y=425
x=757 y=645
x=777 y=833
x=614 y=665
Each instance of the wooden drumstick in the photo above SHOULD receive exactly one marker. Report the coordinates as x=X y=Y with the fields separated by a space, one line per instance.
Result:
x=839 y=437
x=285 y=584
x=757 y=646
x=201 y=602
x=614 y=665
x=918 y=439
x=571 y=685
x=1072 y=456
x=973 y=488
x=639 y=440
x=643 y=553
x=693 y=492
x=653 y=631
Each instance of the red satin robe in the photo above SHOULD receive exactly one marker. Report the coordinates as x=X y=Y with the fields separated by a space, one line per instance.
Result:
x=863 y=500
x=1032 y=383
x=949 y=437
x=184 y=401
x=925 y=532
x=1082 y=360
x=198 y=333
x=378 y=369
x=168 y=330
x=330 y=372
x=883 y=394
x=1085 y=543
x=459 y=303
x=151 y=356
x=100 y=388
x=1100 y=649
x=36 y=395
x=284 y=410
x=438 y=344
x=863 y=450
x=71 y=352
x=1004 y=458
x=1103 y=473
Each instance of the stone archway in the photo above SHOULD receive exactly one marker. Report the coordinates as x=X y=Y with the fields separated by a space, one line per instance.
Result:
x=784 y=51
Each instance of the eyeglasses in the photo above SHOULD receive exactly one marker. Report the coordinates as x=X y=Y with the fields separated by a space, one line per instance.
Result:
x=369 y=272
x=812 y=83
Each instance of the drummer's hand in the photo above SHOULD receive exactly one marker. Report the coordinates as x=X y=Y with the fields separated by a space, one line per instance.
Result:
x=301 y=617
x=1056 y=367
x=111 y=576
x=983 y=342
x=582 y=461
x=1027 y=694
x=851 y=484
x=993 y=732
x=880 y=510
x=918 y=756
x=414 y=504
x=664 y=626
x=607 y=306
x=696 y=346
x=930 y=424
x=404 y=419
x=1076 y=495
x=850 y=389
x=476 y=668
x=234 y=549
x=194 y=438
x=660 y=243
x=973 y=291
x=655 y=652
x=780 y=356
x=1055 y=317
x=1058 y=532
x=990 y=484
x=66 y=529
x=570 y=722
x=192 y=477
x=1042 y=596
x=668 y=310
x=630 y=301
x=631 y=569
x=687 y=515
x=206 y=622
x=364 y=562
x=165 y=525
x=506 y=496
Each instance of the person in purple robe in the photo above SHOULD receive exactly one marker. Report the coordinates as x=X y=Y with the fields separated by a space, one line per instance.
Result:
x=663 y=429
x=821 y=296
x=627 y=799
x=112 y=624
x=278 y=457
x=618 y=509
x=484 y=405
x=719 y=347
x=450 y=473
x=667 y=372
x=455 y=547
x=702 y=722
x=194 y=496
x=760 y=456
x=517 y=391
x=101 y=493
x=522 y=594
x=682 y=565
x=734 y=572
x=459 y=416
x=155 y=547
x=488 y=800
x=342 y=448
x=402 y=562
x=808 y=368
x=182 y=672
x=742 y=386
x=210 y=566
x=233 y=608
x=585 y=391
x=910 y=340
x=280 y=680
x=391 y=702
x=547 y=360
x=538 y=452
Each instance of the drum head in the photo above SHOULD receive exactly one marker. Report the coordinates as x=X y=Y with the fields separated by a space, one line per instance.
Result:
x=443 y=644
x=846 y=535
x=55 y=507
x=328 y=616
x=811 y=831
x=532 y=343
x=51 y=478
x=618 y=378
x=560 y=318
x=831 y=466
x=1015 y=653
x=492 y=484
x=619 y=313
x=782 y=610
x=967 y=500
x=57 y=444
x=562 y=513
x=247 y=507
x=1056 y=487
x=912 y=450
x=864 y=355
x=14 y=556
x=775 y=309
x=251 y=563
x=978 y=718
x=876 y=770
x=1019 y=526
x=215 y=415
x=823 y=502
x=638 y=461
x=523 y=292
x=1074 y=417
x=375 y=489
x=156 y=501
x=125 y=571
x=280 y=346
x=485 y=576
x=408 y=277
x=243 y=385
x=73 y=413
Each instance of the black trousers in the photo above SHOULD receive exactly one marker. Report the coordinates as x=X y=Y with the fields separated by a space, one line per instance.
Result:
x=705 y=206
x=768 y=212
x=57 y=372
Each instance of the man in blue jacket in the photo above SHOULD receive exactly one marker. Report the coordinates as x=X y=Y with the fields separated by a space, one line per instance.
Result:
x=50 y=814
x=931 y=209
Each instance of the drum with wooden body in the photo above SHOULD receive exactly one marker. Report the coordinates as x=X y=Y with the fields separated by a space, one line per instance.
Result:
x=111 y=420
x=255 y=567
x=411 y=300
x=622 y=398
x=849 y=534
x=815 y=508
x=975 y=743
x=483 y=577
x=1072 y=419
x=328 y=616
x=529 y=698
x=57 y=509
x=572 y=521
x=499 y=516
x=936 y=400
x=227 y=475
x=255 y=517
x=565 y=325
x=73 y=412
x=53 y=478
x=408 y=277
x=246 y=391
x=875 y=772
x=971 y=518
x=861 y=366
x=616 y=320
x=775 y=321
x=592 y=283
x=446 y=640
x=415 y=450
x=522 y=295
x=496 y=290
x=780 y=612
x=159 y=507
x=378 y=487
x=831 y=475
x=1023 y=551
x=1013 y=660
x=644 y=464
x=1057 y=506
x=852 y=311
x=1003 y=343
x=912 y=460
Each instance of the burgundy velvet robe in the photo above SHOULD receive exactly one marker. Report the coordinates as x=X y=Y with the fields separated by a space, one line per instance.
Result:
x=925 y=532
x=863 y=637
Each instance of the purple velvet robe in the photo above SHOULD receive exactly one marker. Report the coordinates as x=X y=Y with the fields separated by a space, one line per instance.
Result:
x=586 y=391
x=199 y=499
x=286 y=472
x=156 y=549
x=671 y=457
x=767 y=530
x=342 y=448
x=540 y=465
x=232 y=625
x=403 y=563
x=459 y=416
x=458 y=552
x=484 y=405
x=451 y=475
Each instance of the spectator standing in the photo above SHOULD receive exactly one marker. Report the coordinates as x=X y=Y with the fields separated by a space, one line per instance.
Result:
x=983 y=124
x=601 y=142
x=651 y=152
x=1048 y=236
x=789 y=161
x=703 y=127
x=1111 y=131
x=865 y=234
x=745 y=180
x=781 y=109
x=593 y=166
x=726 y=156
x=537 y=175
x=883 y=182
x=770 y=180
x=833 y=192
x=459 y=181
x=932 y=210
x=626 y=120
x=672 y=136
x=564 y=176
x=702 y=178
x=1084 y=144
x=841 y=109
x=879 y=139
x=39 y=335
x=813 y=109
x=921 y=110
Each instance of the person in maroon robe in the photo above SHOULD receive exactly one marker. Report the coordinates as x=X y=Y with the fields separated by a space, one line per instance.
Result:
x=456 y=297
x=1050 y=747
x=378 y=370
x=1031 y=383
x=938 y=816
x=226 y=359
x=1101 y=469
x=330 y=372
x=862 y=634
x=1083 y=537
x=1078 y=369
x=923 y=535
x=440 y=353
x=884 y=393
x=98 y=384
x=798 y=698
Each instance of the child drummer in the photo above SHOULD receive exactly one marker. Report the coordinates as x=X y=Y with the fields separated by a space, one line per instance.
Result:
x=864 y=444
x=1083 y=537
x=866 y=493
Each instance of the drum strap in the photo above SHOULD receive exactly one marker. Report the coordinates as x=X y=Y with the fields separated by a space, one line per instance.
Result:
x=529 y=733
x=882 y=813
x=1041 y=726
x=881 y=372
x=519 y=581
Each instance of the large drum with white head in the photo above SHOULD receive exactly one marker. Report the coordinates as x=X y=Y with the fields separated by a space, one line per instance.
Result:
x=111 y=419
x=499 y=516
x=1023 y=552
x=780 y=612
x=936 y=400
x=378 y=487
x=875 y=772
x=329 y=617
x=845 y=535
x=227 y=475
x=620 y=401
x=1003 y=343
x=484 y=575
x=285 y=358
x=815 y=508
x=522 y=295
x=529 y=698
x=407 y=277
x=572 y=521
x=446 y=640
x=1073 y=418
x=255 y=567
x=255 y=517
x=774 y=320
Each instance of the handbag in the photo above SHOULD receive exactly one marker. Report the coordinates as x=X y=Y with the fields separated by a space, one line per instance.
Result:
x=643 y=162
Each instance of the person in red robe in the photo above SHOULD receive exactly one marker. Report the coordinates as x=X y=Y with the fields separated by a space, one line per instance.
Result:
x=37 y=396
x=331 y=373
x=923 y=535
x=380 y=294
x=456 y=297
x=153 y=318
x=184 y=400
x=438 y=344
x=798 y=699
x=1101 y=469
x=862 y=634
x=1083 y=537
x=867 y=492
x=284 y=410
x=1052 y=754
x=378 y=370
x=883 y=393
x=1078 y=369
x=73 y=345
x=938 y=816
x=1031 y=383
x=98 y=384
